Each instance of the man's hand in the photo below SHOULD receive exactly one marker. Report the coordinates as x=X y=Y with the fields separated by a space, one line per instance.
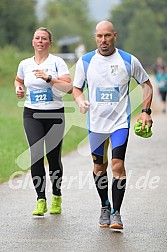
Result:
x=146 y=120
x=84 y=106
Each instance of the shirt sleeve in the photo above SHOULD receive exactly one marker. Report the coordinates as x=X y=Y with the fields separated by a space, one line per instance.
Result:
x=79 y=77
x=61 y=68
x=20 y=72
x=138 y=72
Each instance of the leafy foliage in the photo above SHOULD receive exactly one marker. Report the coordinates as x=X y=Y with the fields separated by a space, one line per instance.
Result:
x=17 y=21
x=70 y=17
x=138 y=41
x=141 y=27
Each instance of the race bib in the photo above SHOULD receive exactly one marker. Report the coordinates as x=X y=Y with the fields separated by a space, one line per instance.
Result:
x=41 y=95
x=107 y=94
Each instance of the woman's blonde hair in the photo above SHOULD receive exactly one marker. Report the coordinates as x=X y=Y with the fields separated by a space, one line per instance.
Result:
x=46 y=30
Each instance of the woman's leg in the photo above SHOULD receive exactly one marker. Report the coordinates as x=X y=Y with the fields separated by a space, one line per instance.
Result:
x=53 y=139
x=35 y=132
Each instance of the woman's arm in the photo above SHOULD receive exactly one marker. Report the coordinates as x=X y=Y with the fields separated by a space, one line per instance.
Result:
x=19 y=85
x=63 y=83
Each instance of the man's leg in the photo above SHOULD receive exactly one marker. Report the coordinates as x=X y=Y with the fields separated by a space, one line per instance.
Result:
x=99 y=146
x=119 y=141
x=101 y=182
x=118 y=183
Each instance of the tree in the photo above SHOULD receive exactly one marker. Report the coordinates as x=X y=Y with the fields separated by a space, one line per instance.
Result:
x=17 y=22
x=160 y=9
x=144 y=37
x=70 y=17
x=133 y=17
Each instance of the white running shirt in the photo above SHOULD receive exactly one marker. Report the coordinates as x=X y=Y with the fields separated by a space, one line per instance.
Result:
x=108 y=79
x=39 y=93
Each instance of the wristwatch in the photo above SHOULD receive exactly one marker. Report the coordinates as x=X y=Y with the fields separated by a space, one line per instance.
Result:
x=148 y=111
x=49 y=78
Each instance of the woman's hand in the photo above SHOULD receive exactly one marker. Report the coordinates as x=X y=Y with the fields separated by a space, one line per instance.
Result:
x=41 y=74
x=19 y=92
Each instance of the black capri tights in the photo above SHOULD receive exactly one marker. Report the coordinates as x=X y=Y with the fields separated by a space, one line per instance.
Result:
x=45 y=127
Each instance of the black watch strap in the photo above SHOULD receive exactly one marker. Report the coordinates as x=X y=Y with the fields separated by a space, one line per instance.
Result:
x=49 y=78
x=148 y=111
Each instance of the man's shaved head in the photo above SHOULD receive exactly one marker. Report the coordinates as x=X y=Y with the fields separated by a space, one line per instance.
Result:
x=105 y=36
x=105 y=24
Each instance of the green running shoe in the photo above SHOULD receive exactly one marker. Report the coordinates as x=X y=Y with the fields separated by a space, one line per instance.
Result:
x=56 y=205
x=41 y=207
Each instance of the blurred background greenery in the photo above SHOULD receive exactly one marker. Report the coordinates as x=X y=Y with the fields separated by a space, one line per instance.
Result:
x=141 y=25
x=142 y=31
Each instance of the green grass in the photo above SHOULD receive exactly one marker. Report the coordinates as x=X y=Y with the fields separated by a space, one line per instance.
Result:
x=12 y=136
x=13 y=141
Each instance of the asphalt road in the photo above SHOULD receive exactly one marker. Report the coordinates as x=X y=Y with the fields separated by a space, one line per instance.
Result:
x=144 y=209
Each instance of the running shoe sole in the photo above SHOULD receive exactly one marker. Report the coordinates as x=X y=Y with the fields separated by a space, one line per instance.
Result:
x=116 y=227
x=104 y=225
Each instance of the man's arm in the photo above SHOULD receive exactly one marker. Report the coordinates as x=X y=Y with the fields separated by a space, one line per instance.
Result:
x=146 y=104
x=80 y=100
